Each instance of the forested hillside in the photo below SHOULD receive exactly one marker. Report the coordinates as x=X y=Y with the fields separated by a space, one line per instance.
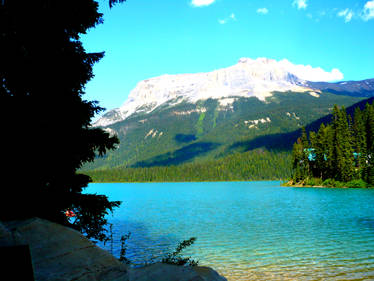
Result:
x=267 y=156
x=187 y=133
x=253 y=165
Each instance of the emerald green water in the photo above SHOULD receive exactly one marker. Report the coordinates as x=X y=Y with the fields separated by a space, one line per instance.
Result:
x=249 y=230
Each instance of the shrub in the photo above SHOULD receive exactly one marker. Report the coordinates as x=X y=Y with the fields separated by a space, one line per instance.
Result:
x=122 y=257
x=329 y=183
x=357 y=183
x=175 y=257
x=313 y=181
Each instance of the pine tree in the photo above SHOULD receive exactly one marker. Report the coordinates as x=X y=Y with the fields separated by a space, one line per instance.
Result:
x=297 y=160
x=359 y=141
x=369 y=118
x=47 y=135
x=345 y=161
x=300 y=161
x=313 y=164
x=343 y=150
x=329 y=152
x=321 y=151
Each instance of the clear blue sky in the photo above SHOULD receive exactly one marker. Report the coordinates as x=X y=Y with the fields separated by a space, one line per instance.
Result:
x=148 y=38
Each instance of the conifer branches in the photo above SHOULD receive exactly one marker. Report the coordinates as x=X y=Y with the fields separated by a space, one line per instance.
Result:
x=341 y=151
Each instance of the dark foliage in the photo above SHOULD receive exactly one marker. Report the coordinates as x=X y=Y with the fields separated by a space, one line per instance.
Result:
x=46 y=129
x=176 y=258
x=183 y=138
x=340 y=152
x=113 y=2
x=179 y=156
x=122 y=255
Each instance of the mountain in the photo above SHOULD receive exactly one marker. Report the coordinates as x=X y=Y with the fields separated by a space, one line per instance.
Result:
x=249 y=78
x=362 y=88
x=175 y=119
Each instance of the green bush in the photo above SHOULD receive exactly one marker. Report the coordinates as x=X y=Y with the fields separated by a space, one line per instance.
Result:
x=351 y=184
x=334 y=183
x=340 y=184
x=357 y=183
x=313 y=181
x=329 y=183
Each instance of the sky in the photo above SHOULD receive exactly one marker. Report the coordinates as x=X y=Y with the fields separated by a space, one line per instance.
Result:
x=148 y=38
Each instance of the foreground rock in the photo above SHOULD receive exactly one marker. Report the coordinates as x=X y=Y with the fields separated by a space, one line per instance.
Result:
x=168 y=272
x=62 y=254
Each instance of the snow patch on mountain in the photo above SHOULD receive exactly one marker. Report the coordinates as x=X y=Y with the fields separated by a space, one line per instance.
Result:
x=226 y=104
x=188 y=112
x=292 y=115
x=256 y=122
x=153 y=133
x=314 y=94
x=248 y=78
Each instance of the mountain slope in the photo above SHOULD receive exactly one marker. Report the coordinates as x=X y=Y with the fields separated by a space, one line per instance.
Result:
x=254 y=164
x=176 y=119
x=192 y=132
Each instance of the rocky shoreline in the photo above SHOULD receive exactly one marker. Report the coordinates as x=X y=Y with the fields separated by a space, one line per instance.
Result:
x=59 y=253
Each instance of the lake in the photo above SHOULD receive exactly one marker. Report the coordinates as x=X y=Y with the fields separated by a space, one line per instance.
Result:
x=249 y=230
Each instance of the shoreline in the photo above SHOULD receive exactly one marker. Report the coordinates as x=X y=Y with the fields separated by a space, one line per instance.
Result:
x=280 y=180
x=319 y=186
x=288 y=184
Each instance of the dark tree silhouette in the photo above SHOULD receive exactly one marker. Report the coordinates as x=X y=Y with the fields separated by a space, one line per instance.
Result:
x=340 y=151
x=45 y=122
x=113 y=2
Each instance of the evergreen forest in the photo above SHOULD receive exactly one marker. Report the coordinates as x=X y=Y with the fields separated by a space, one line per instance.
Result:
x=339 y=154
x=259 y=164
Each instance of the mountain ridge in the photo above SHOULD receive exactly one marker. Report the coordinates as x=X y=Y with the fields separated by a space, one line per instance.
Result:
x=363 y=87
x=248 y=78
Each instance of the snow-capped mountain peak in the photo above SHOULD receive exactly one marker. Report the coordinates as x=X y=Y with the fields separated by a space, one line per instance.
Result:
x=248 y=78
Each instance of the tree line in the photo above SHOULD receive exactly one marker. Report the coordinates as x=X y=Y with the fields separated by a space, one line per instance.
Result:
x=258 y=164
x=339 y=152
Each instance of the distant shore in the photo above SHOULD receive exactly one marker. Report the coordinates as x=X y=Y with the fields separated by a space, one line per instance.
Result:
x=332 y=184
x=186 y=181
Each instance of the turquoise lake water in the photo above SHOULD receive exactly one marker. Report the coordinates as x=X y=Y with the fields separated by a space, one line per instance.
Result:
x=249 y=230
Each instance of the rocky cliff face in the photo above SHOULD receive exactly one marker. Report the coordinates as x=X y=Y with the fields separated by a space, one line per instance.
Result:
x=248 y=78
x=62 y=254
x=258 y=78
